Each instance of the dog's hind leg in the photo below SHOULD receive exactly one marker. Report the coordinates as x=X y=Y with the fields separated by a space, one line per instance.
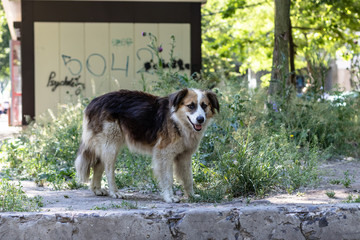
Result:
x=183 y=172
x=95 y=184
x=163 y=170
x=109 y=153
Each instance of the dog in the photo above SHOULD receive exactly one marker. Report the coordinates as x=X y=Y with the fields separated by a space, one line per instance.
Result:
x=167 y=128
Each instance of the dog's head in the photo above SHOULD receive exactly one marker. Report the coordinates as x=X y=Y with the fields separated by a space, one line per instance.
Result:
x=193 y=108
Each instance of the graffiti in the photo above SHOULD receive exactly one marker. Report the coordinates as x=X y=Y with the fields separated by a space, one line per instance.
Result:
x=124 y=42
x=91 y=61
x=73 y=65
x=126 y=69
x=174 y=65
x=70 y=82
x=95 y=64
x=146 y=53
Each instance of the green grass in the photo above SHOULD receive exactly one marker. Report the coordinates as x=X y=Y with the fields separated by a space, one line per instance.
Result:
x=122 y=205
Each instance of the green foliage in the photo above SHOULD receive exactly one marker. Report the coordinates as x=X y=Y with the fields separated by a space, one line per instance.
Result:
x=4 y=46
x=335 y=33
x=122 y=205
x=352 y=199
x=46 y=149
x=330 y=194
x=328 y=123
x=133 y=170
x=248 y=157
x=346 y=181
x=13 y=198
x=238 y=34
x=249 y=150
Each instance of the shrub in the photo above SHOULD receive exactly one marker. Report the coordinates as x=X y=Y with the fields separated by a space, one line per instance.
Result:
x=333 y=123
x=46 y=149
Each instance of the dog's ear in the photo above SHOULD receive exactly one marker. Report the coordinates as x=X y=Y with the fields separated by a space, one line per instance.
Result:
x=176 y=98
x=213 y=101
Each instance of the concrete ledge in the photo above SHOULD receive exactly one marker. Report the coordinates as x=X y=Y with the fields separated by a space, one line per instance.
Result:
x=248 y=222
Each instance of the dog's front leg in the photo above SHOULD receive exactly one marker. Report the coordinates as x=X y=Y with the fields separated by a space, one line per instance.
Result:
x=163 y=170
x=183 y=172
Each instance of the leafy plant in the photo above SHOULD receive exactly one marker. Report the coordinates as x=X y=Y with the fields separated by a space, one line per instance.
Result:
x=351 y=199
x=330 y=194
x=13 y=198
x=346 y=181
x=45 y=150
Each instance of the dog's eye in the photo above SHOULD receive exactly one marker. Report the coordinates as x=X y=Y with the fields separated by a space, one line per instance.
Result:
x=191 y=106
x=204 y=105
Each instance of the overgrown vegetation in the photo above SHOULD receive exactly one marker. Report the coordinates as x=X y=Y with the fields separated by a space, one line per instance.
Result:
x=45 y=150
x=13 y=198
x=253 y=147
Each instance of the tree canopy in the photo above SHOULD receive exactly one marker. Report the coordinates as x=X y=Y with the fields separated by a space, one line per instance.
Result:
x=241 y=32
x=4 y=45
x=5 y=49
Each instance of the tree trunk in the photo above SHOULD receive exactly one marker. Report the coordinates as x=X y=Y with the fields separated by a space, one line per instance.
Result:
x=292 y=57
x=280 y=68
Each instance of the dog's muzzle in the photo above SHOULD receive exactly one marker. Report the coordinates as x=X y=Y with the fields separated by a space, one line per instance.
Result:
x=198 y=125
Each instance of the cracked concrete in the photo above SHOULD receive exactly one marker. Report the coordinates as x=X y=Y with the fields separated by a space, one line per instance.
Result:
x=330 y=222
x=70 y=214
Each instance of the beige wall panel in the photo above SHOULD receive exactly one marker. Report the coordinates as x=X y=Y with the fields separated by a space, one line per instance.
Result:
x=122 y=47
x=90 y=59
x=46 y=41
x=182 y=52
x=143 y=54
x=97 y=67
x=72 y=58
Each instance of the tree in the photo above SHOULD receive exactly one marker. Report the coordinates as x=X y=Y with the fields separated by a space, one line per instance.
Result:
x=280 y=67
x=241 y=33
x=326 y=29
x=237 y=35
x=4 y=50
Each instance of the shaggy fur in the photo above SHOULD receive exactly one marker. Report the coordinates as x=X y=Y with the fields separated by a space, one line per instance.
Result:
x=168 y=128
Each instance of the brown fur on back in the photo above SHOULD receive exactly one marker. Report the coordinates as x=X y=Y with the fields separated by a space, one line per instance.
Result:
x=143 y=115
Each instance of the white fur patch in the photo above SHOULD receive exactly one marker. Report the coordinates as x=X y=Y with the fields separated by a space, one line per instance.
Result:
x=199 y=110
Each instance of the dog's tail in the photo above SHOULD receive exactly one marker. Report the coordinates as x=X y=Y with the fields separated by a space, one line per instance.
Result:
x=82 y=165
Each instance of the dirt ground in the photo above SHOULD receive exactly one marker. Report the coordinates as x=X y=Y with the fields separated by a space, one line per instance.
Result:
x=333 y=180
x=340 y=177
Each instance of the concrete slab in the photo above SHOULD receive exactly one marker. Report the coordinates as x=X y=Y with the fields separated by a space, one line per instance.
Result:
x=222 y=222
x=78 y=214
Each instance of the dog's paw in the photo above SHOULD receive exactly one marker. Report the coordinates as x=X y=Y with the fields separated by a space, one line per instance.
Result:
x=100 y=192
x=195 y=196
x=117 y=195
x=172 y=199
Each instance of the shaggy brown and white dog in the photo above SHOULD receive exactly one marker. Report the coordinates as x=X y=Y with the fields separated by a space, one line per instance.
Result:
x=168 y=128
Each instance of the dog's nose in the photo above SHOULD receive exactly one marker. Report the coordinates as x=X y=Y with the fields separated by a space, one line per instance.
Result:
x=200 y=119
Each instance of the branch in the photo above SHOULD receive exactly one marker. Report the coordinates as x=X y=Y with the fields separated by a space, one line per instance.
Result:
x=242 y=7
x=308 y=28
